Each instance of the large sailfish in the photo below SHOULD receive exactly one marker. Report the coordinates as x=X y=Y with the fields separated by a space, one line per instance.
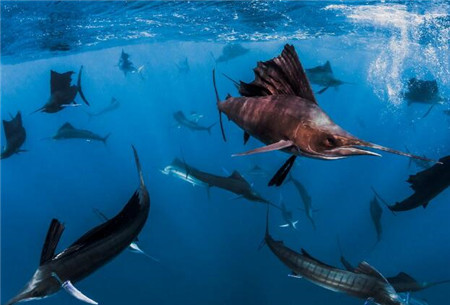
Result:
x=279 y=109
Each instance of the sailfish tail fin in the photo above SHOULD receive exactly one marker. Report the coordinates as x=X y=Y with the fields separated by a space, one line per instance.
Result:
x=138 y=166
x=79 y=87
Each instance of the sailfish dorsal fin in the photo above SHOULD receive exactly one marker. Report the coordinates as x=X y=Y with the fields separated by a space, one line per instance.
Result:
x=51 y=241
x=66 y=125
x=327 y=67
x=237 y=175
x=282 y=75
x=365 y=268
x=60 y=81
x=12 y=126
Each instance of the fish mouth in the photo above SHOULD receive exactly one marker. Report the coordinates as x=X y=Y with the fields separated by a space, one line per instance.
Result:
x=352 y=150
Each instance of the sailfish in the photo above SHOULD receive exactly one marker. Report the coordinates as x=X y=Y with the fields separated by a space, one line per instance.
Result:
x=89 y=253
x=62 y=93
x=279 y=109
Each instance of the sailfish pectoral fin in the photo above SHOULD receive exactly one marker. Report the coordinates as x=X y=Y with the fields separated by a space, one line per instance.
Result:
x=73 y=291
x=295 y=275
x=275 y=146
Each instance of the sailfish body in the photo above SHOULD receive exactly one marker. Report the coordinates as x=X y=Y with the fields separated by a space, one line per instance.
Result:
x=90 y=252
x=279 y=109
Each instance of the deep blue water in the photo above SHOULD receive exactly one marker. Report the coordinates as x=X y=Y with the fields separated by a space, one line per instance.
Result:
x=208 y=247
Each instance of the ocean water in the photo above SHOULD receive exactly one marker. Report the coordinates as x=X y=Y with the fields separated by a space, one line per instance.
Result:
x=207 y=247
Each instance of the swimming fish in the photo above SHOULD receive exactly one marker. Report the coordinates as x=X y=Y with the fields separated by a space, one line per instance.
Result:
x=287 y=217
x=234 y=183
x=15 y=136
x=183 y=66
x=426 y=184
x=126 y=66
x=364 y=282
x=89 y=253
x=113 y=105
x=279 y=109
x=402 y=282
x=134 y=246
x=231 y=51
x=422 y=91
x=375 y=213
x=67 y=131
x=182 y=120
x=306 y=199
x=323 y=76
x=62 y=93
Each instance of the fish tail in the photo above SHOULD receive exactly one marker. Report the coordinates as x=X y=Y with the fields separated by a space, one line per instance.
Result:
x=218 y=101
x=138 y=166
x=105 y=138
x=39 y=109
x=79 y=87
x=209 y=128
x=267 y=234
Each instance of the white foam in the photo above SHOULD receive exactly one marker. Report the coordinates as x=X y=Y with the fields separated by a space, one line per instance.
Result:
x=404 y=28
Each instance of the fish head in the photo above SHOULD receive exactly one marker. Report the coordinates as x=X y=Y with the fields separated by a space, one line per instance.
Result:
x=321 y=138
x=41 y=285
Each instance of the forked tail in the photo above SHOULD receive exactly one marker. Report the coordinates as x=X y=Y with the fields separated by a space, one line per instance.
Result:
x=79 y=87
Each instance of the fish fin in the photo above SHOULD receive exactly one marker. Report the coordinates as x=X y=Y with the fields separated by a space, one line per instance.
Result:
x=66 y=125
x=60 y=81
x=428 y=111
x=11 y=126
x=105 y=138
x=140 y=69
x=79 y=87
x=73 y=291
x=306 y=254
x=236 y=197
x=327 y=67
x=284 y=226
x=246 y=137
x=322 y=90
x=209 y=128
x=100 y=214
x=51 y=241
x=365 y=268
x=218 y=101
x=281 y=174
x=134 y=204
x=138 y=166
x=295 y=275
x=236 y=175
x=281 y=75
x=226 y=171
x=232 y=80
x=266 y=233
x=38 y=110
x=294 y=224
x=271 y=147
x=404 y=277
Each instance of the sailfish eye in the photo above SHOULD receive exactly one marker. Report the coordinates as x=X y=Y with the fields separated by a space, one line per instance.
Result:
x=330 y=141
